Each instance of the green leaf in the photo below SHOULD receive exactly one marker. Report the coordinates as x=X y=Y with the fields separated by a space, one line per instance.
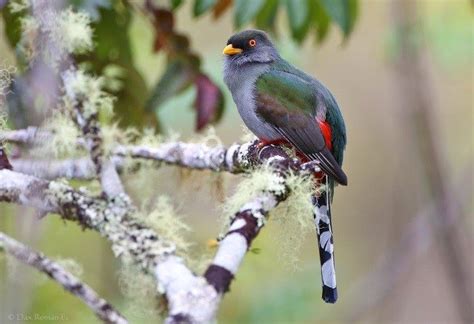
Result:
x=12 y=25
x=201 y=6
x=343 y=12
x=113 y=47
x=321 y=21
x=175 y=4
x=299 y=18
x=246 y=10
x=178 y=76
x=266 y=17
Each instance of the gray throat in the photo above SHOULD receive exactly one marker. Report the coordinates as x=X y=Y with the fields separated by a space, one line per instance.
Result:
x=240 y=79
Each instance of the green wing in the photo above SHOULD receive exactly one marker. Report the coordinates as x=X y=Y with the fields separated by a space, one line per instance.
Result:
x=288 y=102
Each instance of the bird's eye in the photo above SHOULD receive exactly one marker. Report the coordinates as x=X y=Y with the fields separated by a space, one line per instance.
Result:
x=252 y=42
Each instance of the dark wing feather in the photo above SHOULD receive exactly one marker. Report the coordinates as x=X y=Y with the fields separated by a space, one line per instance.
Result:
x=288 y=103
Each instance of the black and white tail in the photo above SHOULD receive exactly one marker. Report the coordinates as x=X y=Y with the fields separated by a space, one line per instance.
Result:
x=322 y=220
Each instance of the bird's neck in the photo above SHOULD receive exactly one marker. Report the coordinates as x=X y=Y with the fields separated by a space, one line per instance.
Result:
x=243 y=76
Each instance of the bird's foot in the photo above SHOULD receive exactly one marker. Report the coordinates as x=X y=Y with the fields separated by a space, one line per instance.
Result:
x=263 y=142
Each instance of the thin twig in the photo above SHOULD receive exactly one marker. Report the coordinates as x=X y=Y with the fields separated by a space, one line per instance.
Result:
x=89 y=124
x=99 y=306
x=80 y=169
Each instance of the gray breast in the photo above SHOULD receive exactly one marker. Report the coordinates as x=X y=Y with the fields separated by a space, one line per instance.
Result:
x=241 y=82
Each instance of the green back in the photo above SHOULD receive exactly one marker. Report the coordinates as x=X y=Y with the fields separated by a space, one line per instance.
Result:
x=293 y=91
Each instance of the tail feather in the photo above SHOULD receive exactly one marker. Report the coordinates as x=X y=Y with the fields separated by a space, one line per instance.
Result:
x=322 y=220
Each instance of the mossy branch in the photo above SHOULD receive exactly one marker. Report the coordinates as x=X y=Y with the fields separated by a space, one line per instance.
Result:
x=250 y=218
x=112 y=218
x=237 y=158
x=190 y=298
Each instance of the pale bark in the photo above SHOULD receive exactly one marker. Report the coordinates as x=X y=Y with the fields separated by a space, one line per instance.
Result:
x=190 y=298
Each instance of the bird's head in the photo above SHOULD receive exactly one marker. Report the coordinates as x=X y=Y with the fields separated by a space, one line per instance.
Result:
x=250 y=46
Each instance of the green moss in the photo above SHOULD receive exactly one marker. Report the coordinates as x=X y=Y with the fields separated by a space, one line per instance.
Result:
x=71 y=266
x=163 y=219
x=3 y=121
x=298 y=205
x=139 y=290
x=6 y=78
x=79 y=85
x=73 y=32
x=150 y=138
x=260 y=180
x=113 y=135
x=70 y=32
x=63 y=142
x=208 y=138
x=20 y=273
x=293 y=217
x=16 y=6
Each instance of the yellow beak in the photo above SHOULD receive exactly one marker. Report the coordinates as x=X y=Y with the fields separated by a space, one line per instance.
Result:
x=230 y=50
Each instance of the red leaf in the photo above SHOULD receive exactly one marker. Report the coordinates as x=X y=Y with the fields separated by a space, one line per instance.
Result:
x=208 y=102
x=221 y=7
x=163 y=21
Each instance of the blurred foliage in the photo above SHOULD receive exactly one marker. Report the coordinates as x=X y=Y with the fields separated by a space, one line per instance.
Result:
x=183 y=69
x=449 y=32
x=113 y=48
x=137 y=105
x=446 y=34
x=302 y=14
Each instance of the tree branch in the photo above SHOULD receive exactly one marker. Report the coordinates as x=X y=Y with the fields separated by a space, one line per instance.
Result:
x=196 y=301
x=248 y=221
x=81 y=169
x=29 y=135
x=130 y=238
x=191 y=298
x=112 y=218
x=99 y=306
x=88 y=123
x=237 y=158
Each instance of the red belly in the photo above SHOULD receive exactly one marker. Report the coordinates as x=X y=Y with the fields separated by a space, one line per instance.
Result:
x=327 y=134
x=319 y=176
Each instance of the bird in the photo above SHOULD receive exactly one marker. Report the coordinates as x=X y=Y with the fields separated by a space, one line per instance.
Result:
x=280 y=103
